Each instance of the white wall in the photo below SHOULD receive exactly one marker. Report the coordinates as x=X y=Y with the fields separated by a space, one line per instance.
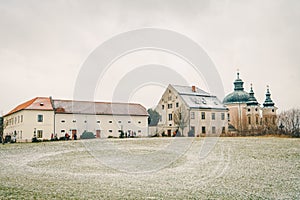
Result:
x=90 y=123
x=208 y=122
x=25 y=128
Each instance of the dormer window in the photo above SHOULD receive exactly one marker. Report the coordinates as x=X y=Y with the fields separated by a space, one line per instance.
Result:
x=41 y=104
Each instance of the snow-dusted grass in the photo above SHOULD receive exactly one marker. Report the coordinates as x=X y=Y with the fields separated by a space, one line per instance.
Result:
x=156 y=168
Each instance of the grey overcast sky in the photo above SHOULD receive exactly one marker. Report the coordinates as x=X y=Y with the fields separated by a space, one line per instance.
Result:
x=44 y=43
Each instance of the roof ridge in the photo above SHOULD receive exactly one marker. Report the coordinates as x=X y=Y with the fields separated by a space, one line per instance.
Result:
x=104 y=102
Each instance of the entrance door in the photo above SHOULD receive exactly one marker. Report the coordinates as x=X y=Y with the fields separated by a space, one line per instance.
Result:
x=74 y=134
x=98 y=133
x=169 y=132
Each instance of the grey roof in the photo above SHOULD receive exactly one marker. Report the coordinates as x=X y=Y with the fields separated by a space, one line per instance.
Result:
x=98 y=108
x=186 y=90
x=198 y=99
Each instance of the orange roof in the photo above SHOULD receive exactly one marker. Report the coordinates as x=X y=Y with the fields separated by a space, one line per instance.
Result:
x=38 y=103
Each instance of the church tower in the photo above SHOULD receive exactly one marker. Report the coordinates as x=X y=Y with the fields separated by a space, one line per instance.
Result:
x=269 y=117
x=253 y=112
x=236 y=102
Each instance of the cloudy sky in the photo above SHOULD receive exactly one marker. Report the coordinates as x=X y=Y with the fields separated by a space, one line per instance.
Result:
x=43 y=44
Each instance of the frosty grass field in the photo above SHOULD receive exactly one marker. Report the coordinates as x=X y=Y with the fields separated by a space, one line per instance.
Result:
x=236 y=168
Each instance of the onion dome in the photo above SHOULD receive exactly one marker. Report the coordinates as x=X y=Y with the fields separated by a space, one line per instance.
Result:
x=252 y=100
x=268 y=102
x=239 y=95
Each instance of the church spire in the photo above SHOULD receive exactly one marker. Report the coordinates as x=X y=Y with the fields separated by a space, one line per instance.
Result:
x=268 y=102
x=238 y=83
x=252 y=100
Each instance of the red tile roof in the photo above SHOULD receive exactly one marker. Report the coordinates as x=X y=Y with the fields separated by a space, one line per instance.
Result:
x=38 y=103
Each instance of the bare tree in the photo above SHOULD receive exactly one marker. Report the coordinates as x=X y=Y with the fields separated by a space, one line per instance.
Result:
x=289 y=122
x=181 y=118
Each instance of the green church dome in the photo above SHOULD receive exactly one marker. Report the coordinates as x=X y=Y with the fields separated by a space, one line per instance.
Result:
x=239 y=95
x=236 y=97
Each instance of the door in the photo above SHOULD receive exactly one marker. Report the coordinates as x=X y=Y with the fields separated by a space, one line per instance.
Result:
x=74 y=134
x=98 y=133
x=169 y=132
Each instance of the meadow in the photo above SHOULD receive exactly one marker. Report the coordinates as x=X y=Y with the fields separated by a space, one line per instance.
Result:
x=152 y=168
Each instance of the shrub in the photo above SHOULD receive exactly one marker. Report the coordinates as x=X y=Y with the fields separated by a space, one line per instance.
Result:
x=87 y=135
x=34 y=139
x=122 y=134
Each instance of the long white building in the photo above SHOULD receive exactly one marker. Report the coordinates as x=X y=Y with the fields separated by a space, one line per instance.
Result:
x=45 y=117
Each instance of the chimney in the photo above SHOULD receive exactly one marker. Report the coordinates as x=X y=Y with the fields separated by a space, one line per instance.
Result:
x=193 y=88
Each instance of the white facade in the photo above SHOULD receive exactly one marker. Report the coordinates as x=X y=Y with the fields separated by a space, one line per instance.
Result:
x=204 y=113
x=45 y=118
x=25 y=123
x=101 y=125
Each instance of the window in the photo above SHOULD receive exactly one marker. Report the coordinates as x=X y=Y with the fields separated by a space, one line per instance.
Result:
x=170 y=124
x=249 y=120
x=139 y=131
x=203 y=129
x=213 y=129
x=39 y=133
x=169 y=105
x=202 y=115
x=74 y=120
x=228 y=117
x=63 y=131
x=256 y=120
x=273 y=110
x=129 y=122
x=18 y=119
x=139 y=122
x=222 y=116
x=255 y=109
x=63 y=121
x=248 y=109
x=170 y=117
x=170 y=98
x=266 y=119
x=274 y=120
x=21 y=118
x=85 y=121
x=110 y=122
x=119 y=122
x=177 y=105
x=110 y=130
x=213 y=116
x=162 y=107
x=192 y=115
x=40 y=118
x=223 y=129
x=98 y=121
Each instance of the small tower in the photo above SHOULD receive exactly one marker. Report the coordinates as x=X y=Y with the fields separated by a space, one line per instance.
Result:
x=253 y=112
x=269 y=117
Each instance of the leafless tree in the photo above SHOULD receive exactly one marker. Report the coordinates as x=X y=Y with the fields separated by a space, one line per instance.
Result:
x=289 y=122
x=181 y=118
